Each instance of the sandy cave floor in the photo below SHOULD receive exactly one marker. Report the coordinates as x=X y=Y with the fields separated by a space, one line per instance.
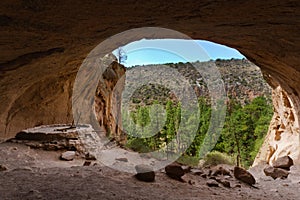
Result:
x=38 y=174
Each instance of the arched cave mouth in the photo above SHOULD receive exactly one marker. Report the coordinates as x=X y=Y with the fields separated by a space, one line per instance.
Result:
x=43 y=46
x=248 y=100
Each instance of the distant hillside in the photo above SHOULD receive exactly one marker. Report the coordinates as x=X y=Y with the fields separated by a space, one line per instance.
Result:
x=243 y=80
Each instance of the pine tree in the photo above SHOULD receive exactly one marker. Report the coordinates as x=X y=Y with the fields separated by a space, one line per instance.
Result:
x=143 y=118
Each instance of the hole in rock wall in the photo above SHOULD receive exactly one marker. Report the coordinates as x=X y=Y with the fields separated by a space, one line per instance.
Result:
x=151 y=86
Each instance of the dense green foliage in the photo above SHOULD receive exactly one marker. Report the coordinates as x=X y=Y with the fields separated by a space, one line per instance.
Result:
x=243 y=131
x=245 y=128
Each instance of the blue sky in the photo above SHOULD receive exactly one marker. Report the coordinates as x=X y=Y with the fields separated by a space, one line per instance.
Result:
x=161 y=51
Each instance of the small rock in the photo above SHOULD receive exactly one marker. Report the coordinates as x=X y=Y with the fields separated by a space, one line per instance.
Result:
x=144 y=173
x=175 y=171
x=227 y=177
x=225 y=183
x=212 y=183
x=191 y=182
x=186 y=168
x=276 y=172
x=221 y=171
x=2 y=168
x=243 y=175
x=87 y=163
x=68 y=155
x=89 y=156
x=204 y=175
x=209 y=172
x=122 y=159
x=284 y=162
x=197 y=172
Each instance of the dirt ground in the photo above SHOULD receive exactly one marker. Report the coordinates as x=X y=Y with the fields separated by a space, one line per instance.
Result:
x=37 y=174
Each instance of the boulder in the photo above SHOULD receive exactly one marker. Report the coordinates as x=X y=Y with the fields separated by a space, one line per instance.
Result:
x=144 y=173
x=284 y=162
x=68 y=155
x=55 y=137
x=276 y=172
x=175 y=171
x=243 y=175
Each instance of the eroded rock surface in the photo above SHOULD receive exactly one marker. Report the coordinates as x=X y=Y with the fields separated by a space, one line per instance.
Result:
x=108 y=99
x=284 y=132
x=81 y=138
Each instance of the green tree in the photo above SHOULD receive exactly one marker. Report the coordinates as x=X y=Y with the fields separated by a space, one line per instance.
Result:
x=244 y=129
x=203 y=125
x=143 y=118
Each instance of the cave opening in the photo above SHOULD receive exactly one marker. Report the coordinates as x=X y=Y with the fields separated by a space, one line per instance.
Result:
x=43 y=46
x=150 y=119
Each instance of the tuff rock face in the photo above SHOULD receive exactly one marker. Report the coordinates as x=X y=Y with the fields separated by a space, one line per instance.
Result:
x=283 y=137
x=108 y=100
x=43 y=44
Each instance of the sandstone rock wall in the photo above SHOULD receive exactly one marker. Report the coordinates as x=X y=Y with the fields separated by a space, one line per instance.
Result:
x=283 y=137
x=108 y=101
x=30 y=99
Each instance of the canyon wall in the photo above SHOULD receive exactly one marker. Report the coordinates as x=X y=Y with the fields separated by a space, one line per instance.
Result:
x=108 y=101
x=283 y=137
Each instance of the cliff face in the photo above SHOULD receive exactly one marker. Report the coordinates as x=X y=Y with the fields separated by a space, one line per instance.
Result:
x=108 y=101
x=283 y=137
x=43 y=43
x=243 y=80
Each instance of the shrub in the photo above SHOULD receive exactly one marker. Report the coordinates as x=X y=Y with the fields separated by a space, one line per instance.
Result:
x=138 y=145
x=188 y=160
x=215 y=157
